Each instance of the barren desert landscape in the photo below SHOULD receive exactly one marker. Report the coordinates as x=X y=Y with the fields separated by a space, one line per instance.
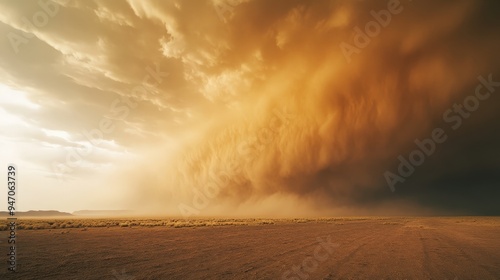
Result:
x=249 y=139
x=328 y=248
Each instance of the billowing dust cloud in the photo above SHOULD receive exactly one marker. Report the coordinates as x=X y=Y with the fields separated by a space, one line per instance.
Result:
x=304 y=113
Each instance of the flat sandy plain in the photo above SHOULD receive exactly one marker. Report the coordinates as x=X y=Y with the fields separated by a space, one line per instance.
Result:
x=329 y=248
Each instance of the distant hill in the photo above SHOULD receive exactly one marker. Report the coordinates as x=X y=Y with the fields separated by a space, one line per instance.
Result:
x=55 y=213
x=104 y=213
x=36 y=213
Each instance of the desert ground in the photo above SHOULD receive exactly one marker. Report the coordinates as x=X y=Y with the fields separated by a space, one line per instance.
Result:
x=328 y=248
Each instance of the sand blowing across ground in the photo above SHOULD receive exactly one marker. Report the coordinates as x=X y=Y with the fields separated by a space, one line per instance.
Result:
x=336 y=248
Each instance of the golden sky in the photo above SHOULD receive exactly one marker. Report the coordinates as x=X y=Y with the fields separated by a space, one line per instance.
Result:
x=231 y=106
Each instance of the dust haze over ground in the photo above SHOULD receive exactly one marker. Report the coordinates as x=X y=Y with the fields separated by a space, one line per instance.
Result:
x=224 y=107
x=311 y=131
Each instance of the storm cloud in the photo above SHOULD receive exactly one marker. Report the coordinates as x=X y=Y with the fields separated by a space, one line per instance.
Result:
x=260 y=107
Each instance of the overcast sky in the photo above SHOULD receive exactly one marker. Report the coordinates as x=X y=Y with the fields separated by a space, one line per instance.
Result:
x=252 y=107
